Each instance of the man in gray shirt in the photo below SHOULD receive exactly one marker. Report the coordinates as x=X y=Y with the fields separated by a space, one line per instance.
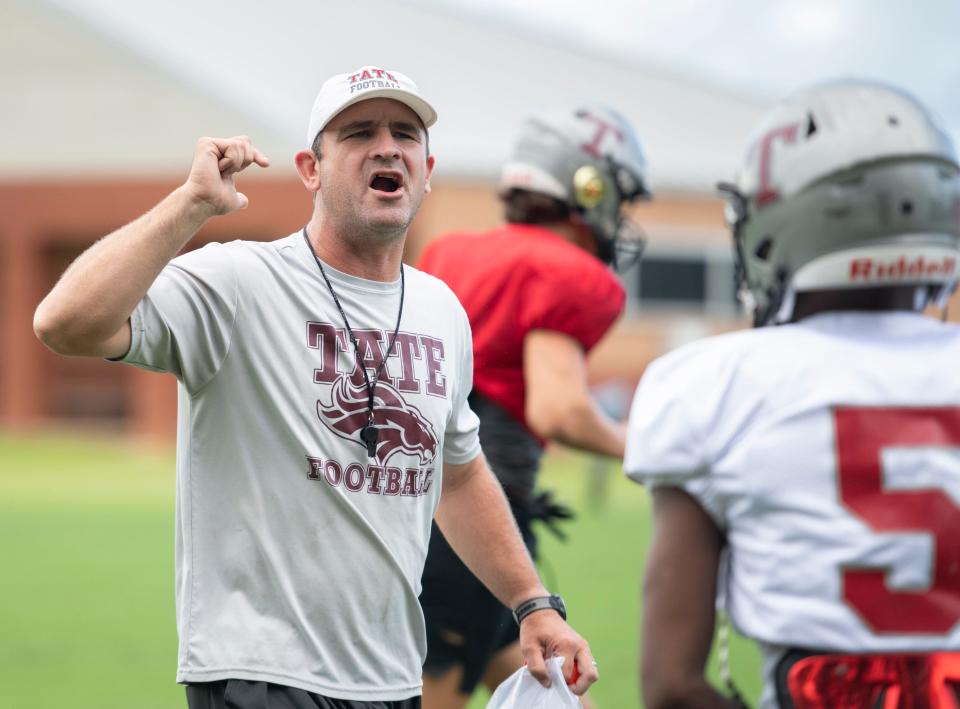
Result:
x=323 y=417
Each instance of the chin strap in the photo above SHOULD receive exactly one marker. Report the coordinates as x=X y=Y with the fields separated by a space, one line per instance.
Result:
x=942 y=299
x=723 y=660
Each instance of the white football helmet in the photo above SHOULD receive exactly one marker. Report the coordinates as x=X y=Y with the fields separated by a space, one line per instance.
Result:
x=848 y=184
x=589 y=158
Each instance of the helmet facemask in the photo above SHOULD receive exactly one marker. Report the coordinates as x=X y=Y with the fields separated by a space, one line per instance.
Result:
x=600 y=198
x=590 y=161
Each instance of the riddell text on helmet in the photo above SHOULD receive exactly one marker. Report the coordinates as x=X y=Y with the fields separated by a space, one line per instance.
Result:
x=902 y=268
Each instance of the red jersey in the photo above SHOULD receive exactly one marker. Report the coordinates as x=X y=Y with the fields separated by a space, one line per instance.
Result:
x=519 y=278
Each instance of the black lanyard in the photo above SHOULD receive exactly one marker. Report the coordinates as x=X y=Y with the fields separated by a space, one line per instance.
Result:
x=369 y=433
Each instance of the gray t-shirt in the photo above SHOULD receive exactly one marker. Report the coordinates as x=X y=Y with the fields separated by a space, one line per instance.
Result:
x=298 y=558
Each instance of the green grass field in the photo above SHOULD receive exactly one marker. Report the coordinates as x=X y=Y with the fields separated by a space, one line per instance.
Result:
x=86 y=599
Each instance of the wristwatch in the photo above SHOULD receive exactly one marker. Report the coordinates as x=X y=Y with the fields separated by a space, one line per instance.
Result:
x=538 y=604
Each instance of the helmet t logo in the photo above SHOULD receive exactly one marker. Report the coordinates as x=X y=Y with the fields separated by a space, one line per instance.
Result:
x=603 y=127
x=766 y=192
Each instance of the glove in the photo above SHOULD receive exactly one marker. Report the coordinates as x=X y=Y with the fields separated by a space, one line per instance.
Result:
x=542 y=507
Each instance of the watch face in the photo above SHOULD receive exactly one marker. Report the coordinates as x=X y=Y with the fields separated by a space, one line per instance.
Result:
x=557 y=603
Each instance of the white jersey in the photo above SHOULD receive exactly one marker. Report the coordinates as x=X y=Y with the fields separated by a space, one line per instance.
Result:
x=298 y=557
x=829 y=453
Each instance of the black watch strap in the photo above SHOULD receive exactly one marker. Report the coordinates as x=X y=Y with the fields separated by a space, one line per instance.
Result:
x=537 y=604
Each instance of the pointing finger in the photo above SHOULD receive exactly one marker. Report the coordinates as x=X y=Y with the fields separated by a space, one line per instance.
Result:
x=260 y=159
x=236 y=154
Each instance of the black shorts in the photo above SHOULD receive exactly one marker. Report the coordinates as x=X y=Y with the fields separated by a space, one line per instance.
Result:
x=244 y=694
x=466 y=624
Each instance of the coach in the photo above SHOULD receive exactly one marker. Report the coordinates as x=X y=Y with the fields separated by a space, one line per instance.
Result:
x=323 y=417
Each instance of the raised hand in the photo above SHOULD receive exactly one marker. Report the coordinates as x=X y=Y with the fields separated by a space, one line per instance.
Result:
x=215 y=162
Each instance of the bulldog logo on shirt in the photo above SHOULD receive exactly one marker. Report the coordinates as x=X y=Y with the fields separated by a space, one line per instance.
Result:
x=401 y=427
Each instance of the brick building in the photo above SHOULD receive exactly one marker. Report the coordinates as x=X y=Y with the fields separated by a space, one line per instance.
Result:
x=103 y=111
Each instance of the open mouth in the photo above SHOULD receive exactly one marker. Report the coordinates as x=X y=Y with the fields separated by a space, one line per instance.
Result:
x=386 y=182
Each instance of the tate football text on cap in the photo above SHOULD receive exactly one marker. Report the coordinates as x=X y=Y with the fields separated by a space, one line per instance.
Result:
x=367 y=82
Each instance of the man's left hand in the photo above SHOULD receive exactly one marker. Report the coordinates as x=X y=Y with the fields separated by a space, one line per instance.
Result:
x=544 y=634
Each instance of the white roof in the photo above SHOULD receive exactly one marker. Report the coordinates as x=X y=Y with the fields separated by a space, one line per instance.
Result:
x=119 y=86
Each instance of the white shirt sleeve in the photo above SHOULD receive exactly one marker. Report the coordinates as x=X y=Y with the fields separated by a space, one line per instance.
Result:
x=184 y=324
x=665 y=436
x=682 y=420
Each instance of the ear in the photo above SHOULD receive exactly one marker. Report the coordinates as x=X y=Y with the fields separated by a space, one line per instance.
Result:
x=308 y=167
x=430 y=162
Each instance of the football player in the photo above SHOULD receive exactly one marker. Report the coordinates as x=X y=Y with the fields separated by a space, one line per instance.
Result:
x=539 y=295
x=814 y=461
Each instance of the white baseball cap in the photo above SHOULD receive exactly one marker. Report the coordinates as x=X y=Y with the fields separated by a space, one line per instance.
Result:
x=367 y=82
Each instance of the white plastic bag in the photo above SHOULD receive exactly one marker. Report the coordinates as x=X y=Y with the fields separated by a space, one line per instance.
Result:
x=521 y=691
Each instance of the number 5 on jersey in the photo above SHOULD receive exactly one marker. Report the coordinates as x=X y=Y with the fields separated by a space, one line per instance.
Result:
x=861 y=436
